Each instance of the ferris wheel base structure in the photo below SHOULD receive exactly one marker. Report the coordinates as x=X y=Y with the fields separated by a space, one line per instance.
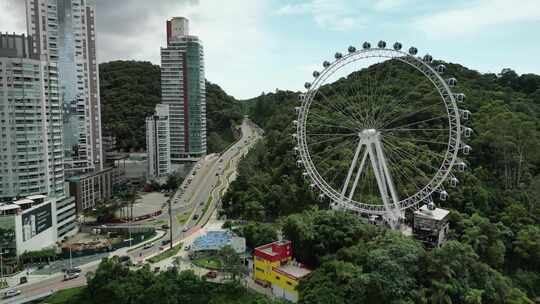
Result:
x=363 y=115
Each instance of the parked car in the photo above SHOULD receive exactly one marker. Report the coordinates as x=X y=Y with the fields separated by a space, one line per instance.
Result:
x=71 y=276
x=23 y=280
x=124 y=259
x=188 y=247
x=11 y=293
x=185 y=229
x=148 y=245
x=165 y=242
x=73 y=270
x=211 y=275
x=196 y=216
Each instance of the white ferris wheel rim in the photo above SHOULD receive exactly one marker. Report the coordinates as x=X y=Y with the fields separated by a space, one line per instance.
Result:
x=447 y=98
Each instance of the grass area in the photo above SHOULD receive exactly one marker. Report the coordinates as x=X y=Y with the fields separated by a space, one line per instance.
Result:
x=71 y=295
x=182 y=218
x=157 y=222
x=165 y=254
x=208 y=263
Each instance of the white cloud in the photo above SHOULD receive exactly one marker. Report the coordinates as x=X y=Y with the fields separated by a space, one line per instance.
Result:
x=12 y=16
x=477 y=16
x=332 y=14
x=386 y=5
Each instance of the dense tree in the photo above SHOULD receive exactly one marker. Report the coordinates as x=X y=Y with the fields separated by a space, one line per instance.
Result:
x=258 y=234
x=135 y=86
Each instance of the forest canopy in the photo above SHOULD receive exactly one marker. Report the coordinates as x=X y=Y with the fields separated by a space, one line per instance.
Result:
x=135 y=85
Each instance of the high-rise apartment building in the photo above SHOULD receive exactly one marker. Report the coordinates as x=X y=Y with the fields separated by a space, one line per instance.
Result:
x=183 y=89
x=64 y=34
x=32 y=187
x=30 y=122
x=158 y=145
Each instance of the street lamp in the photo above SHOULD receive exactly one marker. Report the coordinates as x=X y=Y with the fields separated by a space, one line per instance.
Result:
x=2 y=265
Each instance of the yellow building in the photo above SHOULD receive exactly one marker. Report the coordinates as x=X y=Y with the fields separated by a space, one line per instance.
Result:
x=273 y=267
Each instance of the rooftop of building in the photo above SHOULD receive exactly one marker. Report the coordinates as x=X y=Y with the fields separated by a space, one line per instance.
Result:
x=213 y=240
x=76 y=178
x=270 y=248
x=436 y=214
x=292 y=270
x=23 y=203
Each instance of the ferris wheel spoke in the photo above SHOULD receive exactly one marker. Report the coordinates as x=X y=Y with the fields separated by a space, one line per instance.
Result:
x=328 y=140
x=346 y=116
x=402 y=154
x=399 y=175
x=411 y=114
x=326 y=122
x=409 y=155
x=341 y=108
x=419 y=140
x=418 y=122
x=346 y=141
x=344 y=102
x=386 y=110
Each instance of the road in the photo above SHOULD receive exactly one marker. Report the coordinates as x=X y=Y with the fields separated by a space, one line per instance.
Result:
x=212 y=176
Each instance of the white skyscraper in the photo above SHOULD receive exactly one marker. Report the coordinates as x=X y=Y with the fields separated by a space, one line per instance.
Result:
x=183 y=88
x=30 y=122
x=64 y=34
x=158 y=143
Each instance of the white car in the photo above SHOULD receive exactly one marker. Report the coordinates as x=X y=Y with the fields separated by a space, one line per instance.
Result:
x=71 y=276
x=11 y=293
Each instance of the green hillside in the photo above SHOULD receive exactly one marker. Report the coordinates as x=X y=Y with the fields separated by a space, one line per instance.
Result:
x=131 y=89
x=495 y=233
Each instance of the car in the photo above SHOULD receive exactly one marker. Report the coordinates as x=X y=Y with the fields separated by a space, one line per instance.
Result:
x=185 y=229
x=188 y=247
x=148 y=245
x=156 y=269
x=73 y=270
x=165 y=242
x=11 y=293
x=23 y=280
x=165 y=226
x=211 y=275
x=196 y=216
x=71 y=276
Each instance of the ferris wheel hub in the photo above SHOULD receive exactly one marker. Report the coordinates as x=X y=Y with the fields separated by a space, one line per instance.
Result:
x=368 y=133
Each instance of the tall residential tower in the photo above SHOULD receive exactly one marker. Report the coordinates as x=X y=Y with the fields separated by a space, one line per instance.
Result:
x=30 y=122
x=64 y=34
x=183 y=89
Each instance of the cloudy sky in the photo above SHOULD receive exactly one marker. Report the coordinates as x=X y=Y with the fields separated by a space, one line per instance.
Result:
x=253 y=46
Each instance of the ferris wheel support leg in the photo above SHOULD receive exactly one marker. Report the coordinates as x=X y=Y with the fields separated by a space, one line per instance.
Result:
x=394 y=208
x=358 y=173
x=351 y=170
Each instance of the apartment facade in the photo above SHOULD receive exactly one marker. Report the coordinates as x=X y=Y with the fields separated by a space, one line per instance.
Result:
x=30 y=122
x=158 y=145
x=183 y=89
x=64 y=34
x=92 y=188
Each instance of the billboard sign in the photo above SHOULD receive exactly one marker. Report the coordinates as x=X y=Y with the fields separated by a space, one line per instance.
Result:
x=36 y=221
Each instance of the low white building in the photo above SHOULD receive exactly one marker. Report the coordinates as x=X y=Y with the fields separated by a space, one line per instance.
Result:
x=158 y=145
x=35 y=223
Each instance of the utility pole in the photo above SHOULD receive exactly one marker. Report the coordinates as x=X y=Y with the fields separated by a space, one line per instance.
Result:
x=70 y=259
x=170 y=224
x=2 y=265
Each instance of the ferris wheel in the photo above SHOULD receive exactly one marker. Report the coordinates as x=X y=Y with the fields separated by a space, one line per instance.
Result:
x=379 y=131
